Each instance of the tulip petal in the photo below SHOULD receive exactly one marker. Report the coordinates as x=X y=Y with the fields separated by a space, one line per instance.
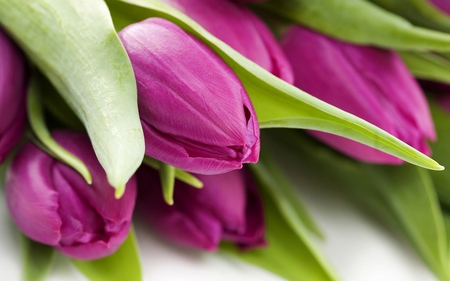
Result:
x=239 y=28
x=214 y=129
x=371 y=83
x=74 y=44
x=180 y=223
x=277 y=103
x=31 y=199
x=13 y=84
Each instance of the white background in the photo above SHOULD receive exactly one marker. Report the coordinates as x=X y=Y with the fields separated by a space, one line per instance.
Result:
x=359 y=248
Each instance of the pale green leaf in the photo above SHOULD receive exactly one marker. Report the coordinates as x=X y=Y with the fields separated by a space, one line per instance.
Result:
x=179 y=174
x=270 y=176
x=37 y=259
x=359 y=22
x=441 y=150
x=122 y=265
x=418 y=12
x=37 y=123
x=74 y=44
x=427 y=65
x=277 y=103
x=403 y=197
x=288 y=254
x=167 y=176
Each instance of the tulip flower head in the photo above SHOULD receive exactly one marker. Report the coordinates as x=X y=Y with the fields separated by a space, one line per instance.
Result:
x=195 y=113
x=238 y=27
x=368 y=82
x=228 y=207
x=13 y=87
x=52 y=204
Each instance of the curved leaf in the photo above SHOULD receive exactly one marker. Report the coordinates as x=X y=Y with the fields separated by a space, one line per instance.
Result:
x=428 y=66
x=37 y=123
x=74 y=44
x=289 y=253
x=277 y=103
x=179 y=174
x=403 y=197
x=441 y=149
x=359 y=22
x=419 y=12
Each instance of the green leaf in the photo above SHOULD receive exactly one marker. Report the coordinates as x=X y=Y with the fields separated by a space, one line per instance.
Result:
x=277 y=103
x=74 y=44
x=122 y=265
x=167 y=175
x=441 y=149
x=418 y=12
x=403 y=197
x=359 y=22
x=179 y=174
x=37 y=123
x=272 y=178
x=288 y=254
x=37 y=259
x=428 y=66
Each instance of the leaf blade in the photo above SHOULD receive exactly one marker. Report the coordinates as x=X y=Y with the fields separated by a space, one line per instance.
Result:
x=75 y=45
x=277 y=103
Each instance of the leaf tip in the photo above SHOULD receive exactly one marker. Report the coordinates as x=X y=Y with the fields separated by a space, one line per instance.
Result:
x=120 y=190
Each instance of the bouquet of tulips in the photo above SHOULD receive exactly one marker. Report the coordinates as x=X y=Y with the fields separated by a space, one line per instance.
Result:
x=191 y=114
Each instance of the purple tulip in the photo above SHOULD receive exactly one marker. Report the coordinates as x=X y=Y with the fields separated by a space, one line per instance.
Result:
x=194 y=111
x=52 y=204
x=443 y=5
x=237 y=26
x=368 y=82
x=227 y=208
x=13 y=87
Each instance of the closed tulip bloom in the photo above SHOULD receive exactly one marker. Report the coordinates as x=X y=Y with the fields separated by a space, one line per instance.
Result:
x=238 y=27
x=195 y=113
x=227 y=208
x=368 y=82
x=52 y=204
x=13 y=87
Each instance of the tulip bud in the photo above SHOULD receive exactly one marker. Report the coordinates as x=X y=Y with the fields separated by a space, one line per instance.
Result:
x=13 y=87
x=194 y=111
x=238 y=27
x=228 y=207
x=443 y=5
x=368 y=82
x=52 y=204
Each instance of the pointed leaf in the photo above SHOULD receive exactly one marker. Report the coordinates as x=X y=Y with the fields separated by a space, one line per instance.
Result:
x=441 y=149
x=122 y=265
x=428 y=66
x=288 y=254
x=37 y=259
x=359 y=22
x=167 y=175
x=277 y=103
x=418 y=12
x=282 y=192
x=37 y=123
x=403 y=197
x=179 y=174
x=74 y=44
